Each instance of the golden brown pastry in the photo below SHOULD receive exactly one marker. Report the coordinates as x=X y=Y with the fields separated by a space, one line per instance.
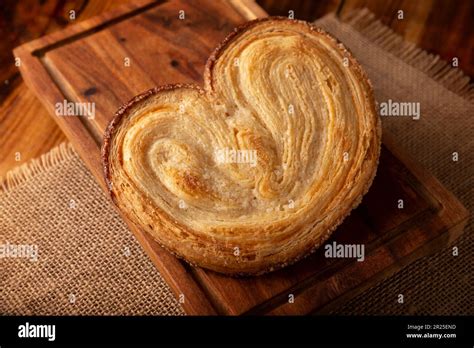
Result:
x=256 y=170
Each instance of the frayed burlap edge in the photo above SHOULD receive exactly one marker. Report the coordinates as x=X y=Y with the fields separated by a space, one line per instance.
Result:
x=27 y=171
x=364 y=22
x=452 y=78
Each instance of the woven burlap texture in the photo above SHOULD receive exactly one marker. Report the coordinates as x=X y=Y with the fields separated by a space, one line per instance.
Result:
x=441 y=284
x=89 y=263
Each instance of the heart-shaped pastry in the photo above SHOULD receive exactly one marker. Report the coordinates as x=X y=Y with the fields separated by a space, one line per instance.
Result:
x=256 y=170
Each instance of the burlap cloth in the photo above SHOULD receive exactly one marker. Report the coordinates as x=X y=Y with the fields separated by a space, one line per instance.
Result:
x=89 y=263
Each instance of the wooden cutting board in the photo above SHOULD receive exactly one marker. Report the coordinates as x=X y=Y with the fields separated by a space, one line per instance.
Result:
x=87 y=62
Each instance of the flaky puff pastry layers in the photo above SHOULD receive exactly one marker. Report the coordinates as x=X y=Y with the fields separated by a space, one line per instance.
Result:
x=256 y=170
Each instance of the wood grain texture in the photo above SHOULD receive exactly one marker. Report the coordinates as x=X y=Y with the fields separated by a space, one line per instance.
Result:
x=440 y=26
x=91 y=69
x=26 y=129
x=20 y=138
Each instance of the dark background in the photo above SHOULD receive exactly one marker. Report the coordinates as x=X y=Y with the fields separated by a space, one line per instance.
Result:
x=444 y=27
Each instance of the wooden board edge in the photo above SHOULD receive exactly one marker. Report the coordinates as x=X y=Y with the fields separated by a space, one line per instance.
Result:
x=249 y=9
x=441 y=241
x=79 y=28
x=456 y=217
x=453 y=214
x=445 y=238
x=49 y=94
x=423 y=175
x=24 y=52
x=195 y=302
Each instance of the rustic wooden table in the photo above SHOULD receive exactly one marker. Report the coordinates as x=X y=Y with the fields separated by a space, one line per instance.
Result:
x=443 y=27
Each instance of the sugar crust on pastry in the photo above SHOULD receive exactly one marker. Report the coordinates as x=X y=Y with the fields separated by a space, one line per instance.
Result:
x=278 y=88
